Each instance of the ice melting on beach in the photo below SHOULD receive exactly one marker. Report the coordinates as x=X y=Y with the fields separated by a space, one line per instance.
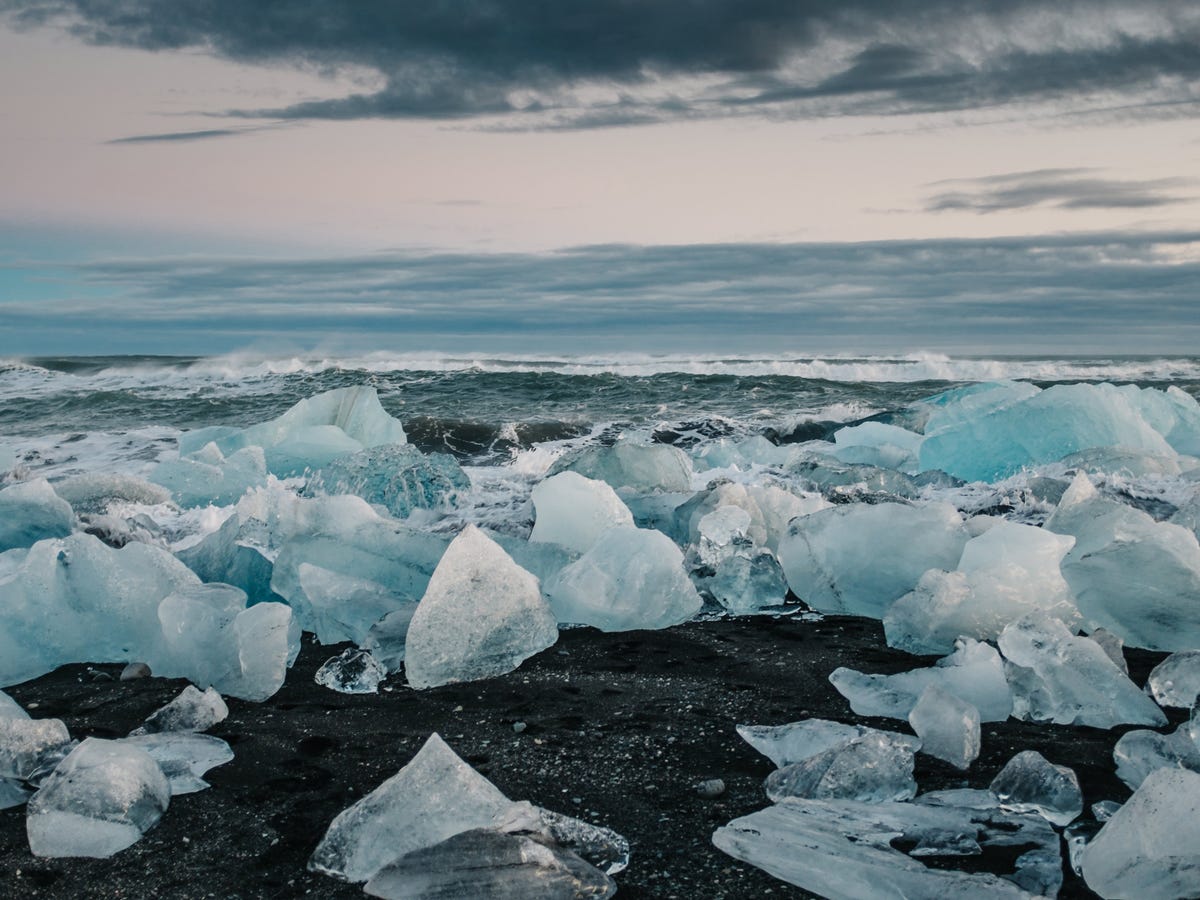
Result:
x=1030 y=783
x=874 y=767
x=31 y=511
x=575 y=511
x=184 y=757
x=947 y=726
x=193 y=710
x=858 y=559
x=1138 y=753
x=482 y=615
x=631 y=578
x=1176 y=680
x=352 y=672
x=798 y=741
x=398 y=477
x=637 y=467
x=101 y=799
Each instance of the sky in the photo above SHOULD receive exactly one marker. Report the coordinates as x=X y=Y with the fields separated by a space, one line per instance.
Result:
x=978 y=176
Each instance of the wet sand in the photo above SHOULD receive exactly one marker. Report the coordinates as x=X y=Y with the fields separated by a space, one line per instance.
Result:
x=618 y=730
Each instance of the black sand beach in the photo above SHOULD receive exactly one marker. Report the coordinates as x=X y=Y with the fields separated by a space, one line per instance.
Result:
x=618 y=730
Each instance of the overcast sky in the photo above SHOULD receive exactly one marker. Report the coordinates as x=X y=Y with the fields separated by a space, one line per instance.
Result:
x=993 y=176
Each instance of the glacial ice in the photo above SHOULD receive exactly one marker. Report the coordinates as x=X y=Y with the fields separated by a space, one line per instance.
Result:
x=631 y=578
x=398 y=477
x=795 y=742
x=484 y=862
x=220 y=558
x=1115 y=547
x=575 y=511
x=482 y=615
x=874 y=768
x=101 y=799
x=1030 y=783
x=184 y=757
x=641 y=468
x=947 y=726
x=1140 y=752
x=312 y=433
x=1113 y=646
x=352 y=672
x=600 y=846
x=747 y=583
x=974 y=673
x=1176 y=680
x=10 y=708
x=877 y=444
x=1150 y=848
x=208 y=476
x=1048 y=425
x=385 y=640
x=842 y=849
x=92 y=493
x=212 y=638
x=1008 y=570
x=858 y=559
x=78 y=600
x=958 y=406
x=193 y=710
x=1056 y=676
x=30 y=511
x=29 y=746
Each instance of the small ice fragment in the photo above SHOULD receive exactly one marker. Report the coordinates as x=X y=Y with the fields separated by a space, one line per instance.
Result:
x=482 y=615
x=1029 y=783
x=1176 y=680
x=574 y=511
x=100 y=800
x=26 y=745
x=710 y=788
x=192 y=710
x=947 y=726
x=183 y=757
x=872 y=768
x=1103 y=810
x=354 y=671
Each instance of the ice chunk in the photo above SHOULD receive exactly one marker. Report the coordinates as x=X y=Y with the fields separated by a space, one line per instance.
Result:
x=398 y=477
x=874 y=767
x=877 y=444
x=484 y=862
x=219 y=557
x=1138 y=753
x=385 y=640
x=30 y=511
x=637 y=467
x=947 y=726
x=574 y=511
x=209 y=476
x=1058 y=677
x=432 y=798
x=183 y=757
x=631 y=578
x=1150 y=848
x=1045 y=427
x=747 y=583
x=602 y=847
x=859 y=559
x=78 y=600
x=1005 y=572
x=92 y=493
x=1029 y=783
x=27 y=745
x=211 y=638
x=1115 y=547
x=1176 y=680
x=10 y=708
x=482 y=615
x=1121 y=461
x=798 y=741
x=1113 y=646
x=843 y=849
x=352 y=672
x=101 y=799
x=974 y=673
x=12 y=793
x=957 y=406
x=847 y=481
x=192 y=710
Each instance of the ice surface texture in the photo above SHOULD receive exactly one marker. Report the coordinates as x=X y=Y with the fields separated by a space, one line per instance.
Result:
x=947 y=726
x=1030 y=783
x=183 y=757
x=398 y=477
x=637 y=467
x=99 y=801
x=798 y=741
x=873 y=767
x=352 y=672
x=1176 y=680
x=30 y=512
x=482 y=615
x=574 y=511
x=192 y=710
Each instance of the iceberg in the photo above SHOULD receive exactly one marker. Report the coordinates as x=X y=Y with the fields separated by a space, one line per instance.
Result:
x=947 y=726
x=1150 y=848
x=30 y=511
x=1058 y=677
x=1030 y=783
x=631 y=578
x=101 y=799
x=482 y=615
x=640 y=468
x=859 y=559
x=974 y=673
x=398 y=477
x=575 y=511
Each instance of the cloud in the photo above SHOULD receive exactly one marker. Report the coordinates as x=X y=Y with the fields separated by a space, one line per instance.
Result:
x=614 y=62
x=1118 y=292
x=1079 y=189
x=181 y=136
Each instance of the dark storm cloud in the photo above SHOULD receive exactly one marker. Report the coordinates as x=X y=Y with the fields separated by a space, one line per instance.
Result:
x=1080 y=189
x=1114 y=292
x=617 y=62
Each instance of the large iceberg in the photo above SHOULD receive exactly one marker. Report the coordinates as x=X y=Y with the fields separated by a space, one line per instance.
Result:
x=574 y=511
x=482 y=615
x=30 y=512
x=631 y=578
x=859 y=559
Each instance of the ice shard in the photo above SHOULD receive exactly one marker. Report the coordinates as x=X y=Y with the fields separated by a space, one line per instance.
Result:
x=192 y=710
x=352 y=672
x=873 y=768
x=1030 y=783
x=947 y=726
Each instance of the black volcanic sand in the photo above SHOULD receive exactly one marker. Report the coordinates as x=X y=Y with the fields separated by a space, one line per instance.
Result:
x=620 y=727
